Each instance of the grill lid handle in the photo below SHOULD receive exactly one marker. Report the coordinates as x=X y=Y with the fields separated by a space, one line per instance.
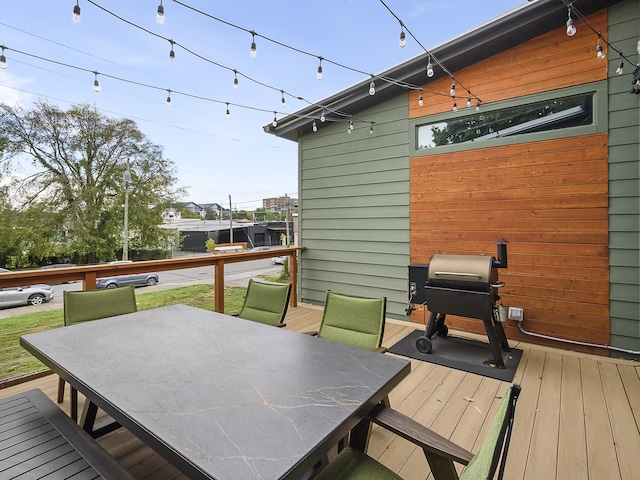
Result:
x=459 y=274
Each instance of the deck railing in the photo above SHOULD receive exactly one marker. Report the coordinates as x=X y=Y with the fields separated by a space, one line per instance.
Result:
x=89 y=273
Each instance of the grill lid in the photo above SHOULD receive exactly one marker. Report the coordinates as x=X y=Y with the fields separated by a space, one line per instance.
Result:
x=450 y=270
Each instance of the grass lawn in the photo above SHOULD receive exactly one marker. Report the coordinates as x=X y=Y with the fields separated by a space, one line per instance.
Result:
x=17 y=362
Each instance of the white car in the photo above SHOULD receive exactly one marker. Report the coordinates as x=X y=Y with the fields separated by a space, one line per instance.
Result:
x=278 y=260
x=30 y=295
x=135 y=279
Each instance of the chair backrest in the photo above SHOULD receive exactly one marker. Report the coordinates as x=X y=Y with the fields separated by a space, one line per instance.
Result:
x=266 y=302
x=87 y=305
x=356 y=321
x=496 y=445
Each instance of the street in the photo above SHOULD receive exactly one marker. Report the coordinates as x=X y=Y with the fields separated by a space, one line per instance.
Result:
x=236 y=274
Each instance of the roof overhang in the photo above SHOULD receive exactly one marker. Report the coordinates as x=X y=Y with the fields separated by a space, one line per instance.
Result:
x=513 y=28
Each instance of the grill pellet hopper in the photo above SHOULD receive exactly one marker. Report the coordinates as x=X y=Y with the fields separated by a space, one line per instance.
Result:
x=463 y=285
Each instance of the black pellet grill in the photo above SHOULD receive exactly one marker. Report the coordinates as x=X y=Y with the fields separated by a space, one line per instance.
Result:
x=463 y=285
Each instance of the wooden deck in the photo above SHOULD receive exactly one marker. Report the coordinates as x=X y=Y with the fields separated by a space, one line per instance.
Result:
x=577 y=418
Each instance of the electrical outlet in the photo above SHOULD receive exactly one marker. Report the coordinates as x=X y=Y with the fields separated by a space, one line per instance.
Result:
x=515 y=313
x=413 y=289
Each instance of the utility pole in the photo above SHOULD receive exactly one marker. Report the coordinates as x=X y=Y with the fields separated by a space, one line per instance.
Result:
x=125 y=242
x=230 y=222
x=286 y=216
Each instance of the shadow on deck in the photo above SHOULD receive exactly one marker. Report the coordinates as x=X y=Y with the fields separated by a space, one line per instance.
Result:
x=578 y=416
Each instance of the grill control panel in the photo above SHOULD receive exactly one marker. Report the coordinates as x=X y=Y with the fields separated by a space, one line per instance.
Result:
x=418 y=275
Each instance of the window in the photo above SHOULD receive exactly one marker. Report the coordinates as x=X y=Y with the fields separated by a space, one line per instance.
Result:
x=536 y=117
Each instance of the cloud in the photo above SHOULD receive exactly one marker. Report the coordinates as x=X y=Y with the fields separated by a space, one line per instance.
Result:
x=11 y=89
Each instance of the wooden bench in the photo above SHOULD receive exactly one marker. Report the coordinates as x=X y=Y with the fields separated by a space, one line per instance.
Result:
x=38 y=439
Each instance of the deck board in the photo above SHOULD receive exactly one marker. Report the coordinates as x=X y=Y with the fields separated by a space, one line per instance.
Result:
x=577 y=416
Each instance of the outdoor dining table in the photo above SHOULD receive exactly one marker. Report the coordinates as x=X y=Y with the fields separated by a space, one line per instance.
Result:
x=220 y=397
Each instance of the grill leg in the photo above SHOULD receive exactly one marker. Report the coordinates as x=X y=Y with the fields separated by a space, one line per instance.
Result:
x=494 y=342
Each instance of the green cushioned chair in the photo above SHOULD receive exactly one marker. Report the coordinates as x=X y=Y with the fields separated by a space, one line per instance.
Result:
x=352 y=464
x=86 y=305
x=356 y=321
x=266 y=303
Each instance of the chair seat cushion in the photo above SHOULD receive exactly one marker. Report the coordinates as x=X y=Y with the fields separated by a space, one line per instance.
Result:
x=352 y=464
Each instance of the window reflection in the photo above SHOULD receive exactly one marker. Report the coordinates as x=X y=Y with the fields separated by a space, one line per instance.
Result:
x=537 y=117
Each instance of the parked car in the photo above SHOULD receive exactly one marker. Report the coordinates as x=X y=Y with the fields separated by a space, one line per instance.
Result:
x=30 y=295
x=135 y=279
x=59 y=265
x=278 y=260
x=260 y=249
x=4 y=270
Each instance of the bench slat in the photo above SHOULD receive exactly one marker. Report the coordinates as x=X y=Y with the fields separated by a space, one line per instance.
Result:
x=37 y=440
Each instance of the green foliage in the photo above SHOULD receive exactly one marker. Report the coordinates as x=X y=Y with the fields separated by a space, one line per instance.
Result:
x=73 y=206
x=186 y=213
x=210 y=244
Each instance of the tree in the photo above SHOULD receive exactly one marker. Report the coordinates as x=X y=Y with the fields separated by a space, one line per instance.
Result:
x=79 y=158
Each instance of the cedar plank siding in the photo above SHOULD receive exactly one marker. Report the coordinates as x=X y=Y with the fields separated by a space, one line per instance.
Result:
x=624 y=183
x=549 y=198
x=551 y=205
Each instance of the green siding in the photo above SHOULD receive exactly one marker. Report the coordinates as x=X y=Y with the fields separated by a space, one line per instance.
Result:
x=624 y=182
x=354 y=204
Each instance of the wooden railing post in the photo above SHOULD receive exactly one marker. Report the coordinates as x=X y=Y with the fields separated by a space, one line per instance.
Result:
x=293 y=273
x=218 y=285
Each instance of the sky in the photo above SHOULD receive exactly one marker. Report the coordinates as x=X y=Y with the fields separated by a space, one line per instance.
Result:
x=51 y=58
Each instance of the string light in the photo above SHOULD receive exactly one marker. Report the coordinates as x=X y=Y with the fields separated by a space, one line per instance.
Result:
x=571 y=28
x=452 y=91
x=455 y=105
x=430 y=71
x=235 y=80
x=253 y=44
x=228 y=112
x=468 y=99
x=599 y=50
x=403 y=37
x=372 y=87
x=275 y=120
x=169 y=99
x=283 y=101
x=314 y=126
x=420 y=101
x=96 y=83
x=76 y=12
x=371 y=129
x=322 y=117
x=172 y=54
x=3 y=59
x=350 y=125
x=160 y=14
x=620 y=66
x=319 y=74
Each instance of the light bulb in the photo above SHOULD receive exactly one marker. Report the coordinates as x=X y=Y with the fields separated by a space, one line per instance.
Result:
x=169 y=99
x=455 y=106
x=160 y=14
x=3 y=59
x=420 y=101
x=350 y=125
x=349 y=131
x=253 y=45
x=283 y=101
x=314 y=126
x=96 y=84
x=228 y=112
x=478 y=107
x=371 y=129
x=275 y=121
x=571 y=28
x=235 y=80
x=319 y=74
x=403 y=39
x=600 y=51
x=172 y=54
x=430 y=71
x=620 y=66
x=452 y=91
x=372 y=88
x=76 y=12
x=322 y=117
x=468 y=100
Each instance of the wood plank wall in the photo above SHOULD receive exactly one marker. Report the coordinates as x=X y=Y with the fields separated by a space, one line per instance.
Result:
x=548 y=198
